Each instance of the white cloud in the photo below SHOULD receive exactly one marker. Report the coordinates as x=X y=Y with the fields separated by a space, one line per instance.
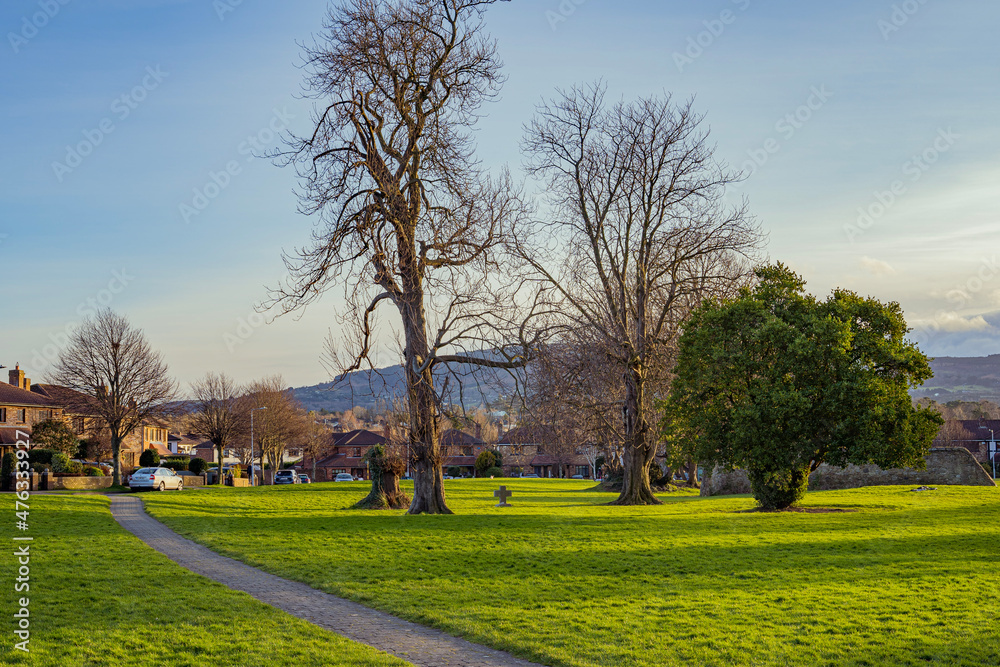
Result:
x=953 y=323
x=877 y=267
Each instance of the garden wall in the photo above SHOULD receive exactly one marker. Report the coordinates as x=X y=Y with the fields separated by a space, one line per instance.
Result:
x=945 y=466
x=78 y=483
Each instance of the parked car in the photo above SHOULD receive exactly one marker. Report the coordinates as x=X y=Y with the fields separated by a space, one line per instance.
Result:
x=577 y=477
x=305 y=479
x=286 y=477
x=155 y=478
x=344 y=477
x=531 y=475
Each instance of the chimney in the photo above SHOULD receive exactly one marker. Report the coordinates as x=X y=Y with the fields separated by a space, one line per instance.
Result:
x=479 y=431
x=17 y=377
x=387 y=433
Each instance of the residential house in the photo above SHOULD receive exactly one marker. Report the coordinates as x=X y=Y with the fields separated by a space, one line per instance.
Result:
x=976 y=435
x=346 y=453
x=528 y=449
x=460 y=450
x=20 y=409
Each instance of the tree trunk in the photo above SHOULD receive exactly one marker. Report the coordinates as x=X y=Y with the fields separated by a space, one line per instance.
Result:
x=385 y=493
x=425 y=447
x=639 y=451
x=692 y=471
x=220 y=449
x=116 y=457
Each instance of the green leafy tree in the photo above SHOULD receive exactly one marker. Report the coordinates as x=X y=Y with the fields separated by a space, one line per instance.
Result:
x=487 y=459
x=55 y=434
x=776 y=382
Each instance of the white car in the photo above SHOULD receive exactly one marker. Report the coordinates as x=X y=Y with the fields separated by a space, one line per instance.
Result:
x=155 y=478
x=343 y=477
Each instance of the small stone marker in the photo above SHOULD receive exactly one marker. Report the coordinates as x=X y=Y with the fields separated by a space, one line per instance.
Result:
x=503 y=494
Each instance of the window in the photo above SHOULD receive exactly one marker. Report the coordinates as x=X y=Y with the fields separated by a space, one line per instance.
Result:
x=466 y=451
x=541 y=449
x=78 y=424
x=3 y=414
x=356 y=452
x=21 y=416
x=517 y=450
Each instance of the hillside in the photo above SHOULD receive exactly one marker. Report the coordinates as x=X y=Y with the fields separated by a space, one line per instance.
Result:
x=964 y=379
x=376 y=389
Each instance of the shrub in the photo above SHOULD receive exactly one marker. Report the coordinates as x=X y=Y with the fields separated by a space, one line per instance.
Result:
x=149 y=459
x=40 y=467
x=454 y=471
x=778 y=489
x=91 y=471
x=8 y=466
x=197 y=465
x=41 y=456
x=487 y=459
x=177 y=465
x=60 y=462
x=493 y=472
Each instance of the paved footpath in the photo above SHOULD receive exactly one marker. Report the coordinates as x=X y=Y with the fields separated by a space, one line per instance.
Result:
x=409 y=641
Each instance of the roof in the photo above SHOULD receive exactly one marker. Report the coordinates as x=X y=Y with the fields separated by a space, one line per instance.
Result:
x=8 y=436
x=455 y=437
x=525 y=435
x=357 y=438
x=977 y=430
x=11 y=395
x=70 y=400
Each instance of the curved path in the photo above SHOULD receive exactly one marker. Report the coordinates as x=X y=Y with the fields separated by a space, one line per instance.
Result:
x=415 y=643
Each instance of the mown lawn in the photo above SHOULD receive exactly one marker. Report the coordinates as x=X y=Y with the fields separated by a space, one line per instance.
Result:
x=904 y=579
x=99 y=596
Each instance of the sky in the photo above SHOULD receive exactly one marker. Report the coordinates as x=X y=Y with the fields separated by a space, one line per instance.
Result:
x=868 y=131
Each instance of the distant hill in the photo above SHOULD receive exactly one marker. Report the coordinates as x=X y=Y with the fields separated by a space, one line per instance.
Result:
x=963 y=379
x=376 y=389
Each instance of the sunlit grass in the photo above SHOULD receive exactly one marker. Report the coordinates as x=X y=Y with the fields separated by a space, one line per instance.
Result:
x=905 y=578
x=99 y=596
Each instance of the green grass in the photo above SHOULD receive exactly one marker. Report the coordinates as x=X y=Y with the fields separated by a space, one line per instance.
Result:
x=99 y=596
x=560 y=578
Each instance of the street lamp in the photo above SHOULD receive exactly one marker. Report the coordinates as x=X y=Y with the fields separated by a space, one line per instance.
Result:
x=253 y=481
x=993 y=449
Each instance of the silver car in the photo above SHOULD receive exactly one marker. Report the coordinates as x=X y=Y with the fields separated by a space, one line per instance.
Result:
x=155 y=478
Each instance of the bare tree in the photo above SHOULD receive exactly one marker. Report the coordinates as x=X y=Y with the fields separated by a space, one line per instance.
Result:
x=218 y=412
x=278 y=422
x=407 y=216
x=642 y=234
x=315 y=441
x=110 y=361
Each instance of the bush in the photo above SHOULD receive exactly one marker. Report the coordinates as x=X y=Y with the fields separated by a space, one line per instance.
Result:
x=149 y=459
x=7 y=466
x=40 y=467
x=176 y=464
x=60 y=462
x=485 y=461
x=197 y=465
x=41 y=456
x=493 y=472
x=778 y=489
x=91 y=471
x=454 y=471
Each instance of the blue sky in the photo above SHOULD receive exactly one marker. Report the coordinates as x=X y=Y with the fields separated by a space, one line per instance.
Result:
x=870 y=129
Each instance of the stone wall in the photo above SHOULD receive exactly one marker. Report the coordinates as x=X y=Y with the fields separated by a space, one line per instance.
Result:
x=78 y=483
x=945 y=466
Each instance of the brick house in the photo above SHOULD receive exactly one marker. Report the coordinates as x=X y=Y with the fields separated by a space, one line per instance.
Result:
x=21 y=408
x=527 y=449
x=972 y=434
